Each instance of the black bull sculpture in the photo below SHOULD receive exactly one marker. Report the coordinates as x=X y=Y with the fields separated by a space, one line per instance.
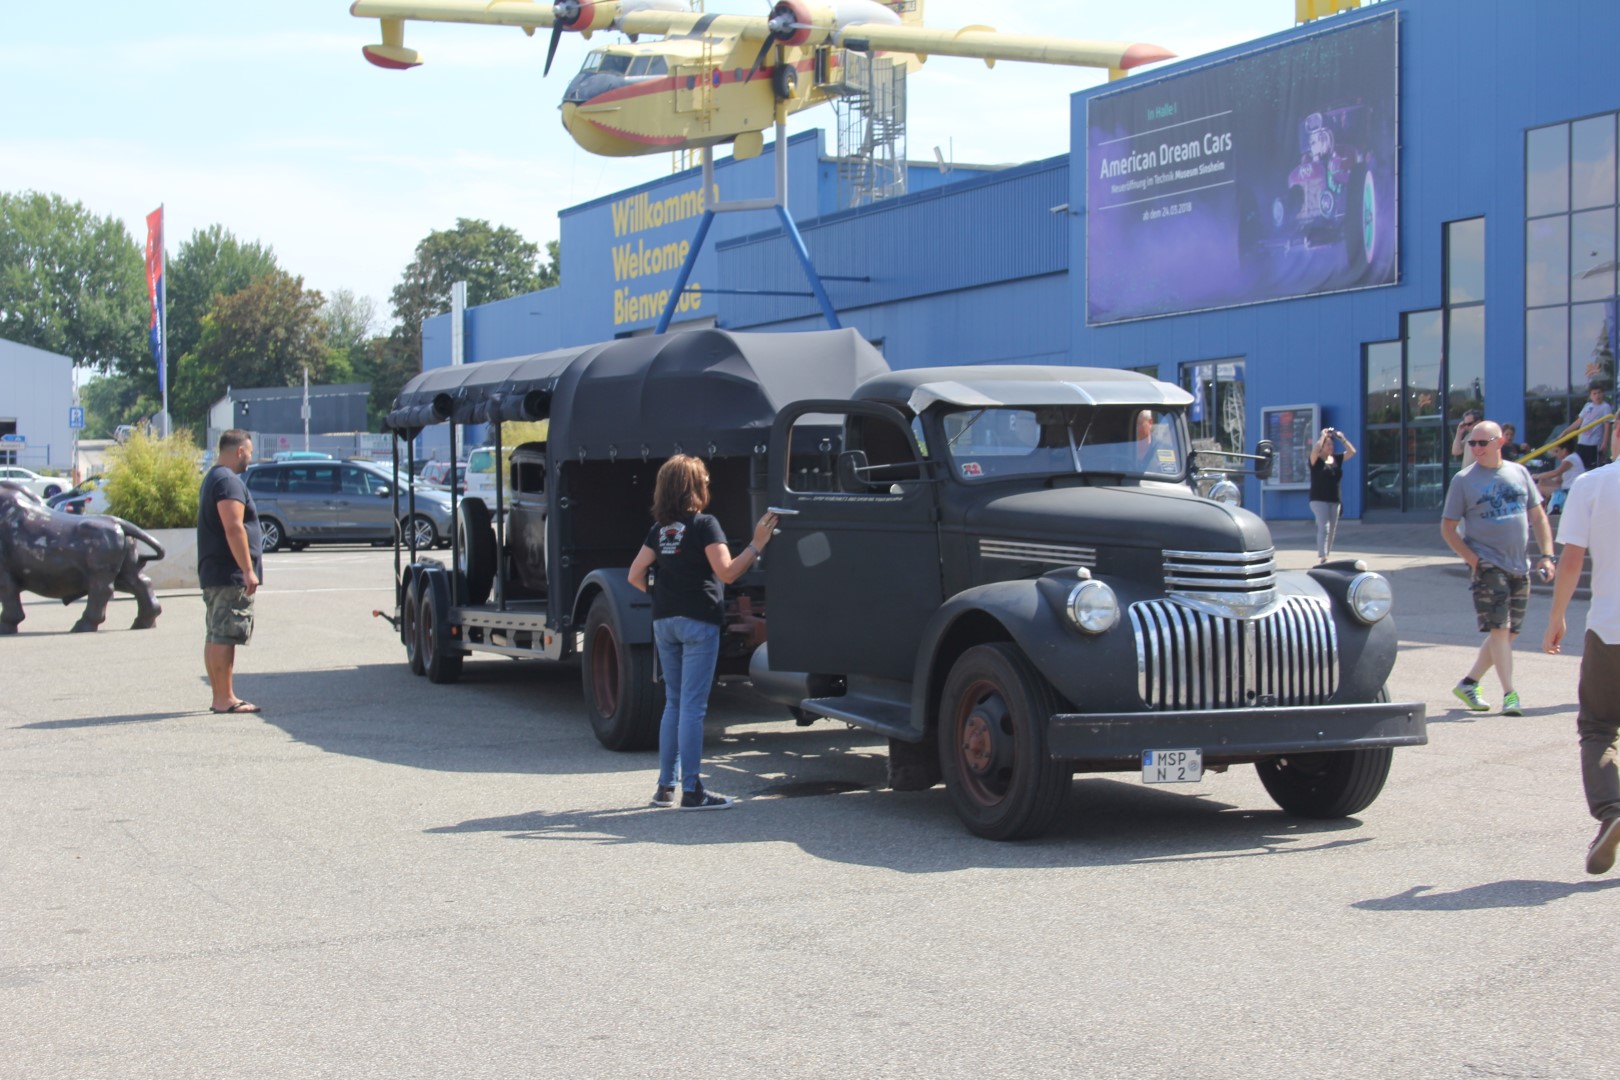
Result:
x=64 y=557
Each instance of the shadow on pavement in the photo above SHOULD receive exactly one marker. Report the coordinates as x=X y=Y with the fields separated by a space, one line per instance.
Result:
x=1103 y=823
x=108 y=721
x=1498 y=894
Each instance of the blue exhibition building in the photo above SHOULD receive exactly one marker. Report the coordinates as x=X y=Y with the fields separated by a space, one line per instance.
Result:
x=1375 y=220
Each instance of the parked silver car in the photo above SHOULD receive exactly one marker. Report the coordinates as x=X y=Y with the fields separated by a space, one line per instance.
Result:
x=313 y=502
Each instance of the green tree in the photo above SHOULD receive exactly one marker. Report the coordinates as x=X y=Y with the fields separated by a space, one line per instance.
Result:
x=551 y=272
x=211 y=264
x=117 y=398
x=266 y=334
x=496 y=263
x=72 y=283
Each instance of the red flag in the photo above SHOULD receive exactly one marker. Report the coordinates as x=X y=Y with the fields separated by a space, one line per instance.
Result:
x=154 y=288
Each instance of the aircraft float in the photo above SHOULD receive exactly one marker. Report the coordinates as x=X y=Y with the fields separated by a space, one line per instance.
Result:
x=713 y=79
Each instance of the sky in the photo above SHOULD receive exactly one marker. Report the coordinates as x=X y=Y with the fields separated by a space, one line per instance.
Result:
x=265 y=119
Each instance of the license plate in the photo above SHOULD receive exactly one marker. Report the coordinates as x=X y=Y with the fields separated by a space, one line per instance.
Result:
x=1172 y=766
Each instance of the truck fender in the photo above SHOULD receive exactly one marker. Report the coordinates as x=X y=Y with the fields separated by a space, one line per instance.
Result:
x=1012 y=611
x=632 y=608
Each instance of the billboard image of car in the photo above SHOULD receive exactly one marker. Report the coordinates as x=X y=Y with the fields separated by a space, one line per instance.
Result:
x=1268 y=176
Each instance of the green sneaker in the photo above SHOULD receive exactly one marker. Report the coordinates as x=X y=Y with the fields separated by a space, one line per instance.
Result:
x=1469 y=696
x=1511 y=706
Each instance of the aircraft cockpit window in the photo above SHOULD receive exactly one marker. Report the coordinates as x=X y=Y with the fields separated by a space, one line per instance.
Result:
x=639 y=66
x=593 y=61
x=613 y=64
x=658 y=66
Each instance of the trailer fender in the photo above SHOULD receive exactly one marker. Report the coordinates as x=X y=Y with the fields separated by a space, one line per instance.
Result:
x=632 y=608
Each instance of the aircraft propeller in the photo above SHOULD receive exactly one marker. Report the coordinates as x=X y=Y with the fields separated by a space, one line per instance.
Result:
x=780 y=29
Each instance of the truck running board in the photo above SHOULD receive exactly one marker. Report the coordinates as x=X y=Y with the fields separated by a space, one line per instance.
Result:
x=879 y=714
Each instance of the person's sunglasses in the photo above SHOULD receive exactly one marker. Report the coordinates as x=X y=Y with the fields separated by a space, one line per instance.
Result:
x=1480 y=442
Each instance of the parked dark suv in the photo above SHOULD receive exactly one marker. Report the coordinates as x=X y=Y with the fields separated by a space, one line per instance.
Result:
x=311 y=502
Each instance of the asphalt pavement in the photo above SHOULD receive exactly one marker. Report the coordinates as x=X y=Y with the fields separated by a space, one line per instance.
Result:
x=379 y=877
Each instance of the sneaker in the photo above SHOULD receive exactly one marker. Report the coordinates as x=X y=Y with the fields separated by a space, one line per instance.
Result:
x=699 y=799
x=1600 y=856
x=1468 y=694
x=664 y=796
x=1510 y=704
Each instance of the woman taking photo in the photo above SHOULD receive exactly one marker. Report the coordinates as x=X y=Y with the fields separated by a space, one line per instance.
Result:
x=1327 y=469
x=694 y=567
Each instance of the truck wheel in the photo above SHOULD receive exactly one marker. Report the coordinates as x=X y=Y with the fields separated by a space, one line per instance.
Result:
x=914 y=766
x=1328 y=785
x=439 y=663
x=624 y=702
x=1333 y=784
x=477 y=544
x=992 y=744
x=410 y=630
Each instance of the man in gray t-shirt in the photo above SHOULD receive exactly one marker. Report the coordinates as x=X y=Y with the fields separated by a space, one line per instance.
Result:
x=1491 y=506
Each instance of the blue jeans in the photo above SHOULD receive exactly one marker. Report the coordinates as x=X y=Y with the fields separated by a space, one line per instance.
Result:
x=687 y=651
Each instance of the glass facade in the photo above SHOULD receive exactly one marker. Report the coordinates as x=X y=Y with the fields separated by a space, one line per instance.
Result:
x=1417 y=388
x=1571 y=196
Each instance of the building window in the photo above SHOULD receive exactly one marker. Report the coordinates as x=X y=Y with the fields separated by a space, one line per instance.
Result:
x=1571 y=199
x=1215 y=418
x=1417 y=388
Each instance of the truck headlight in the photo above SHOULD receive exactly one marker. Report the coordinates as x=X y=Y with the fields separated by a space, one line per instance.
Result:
x=1226 y=493
x=1093 y=607
x=1370 y=597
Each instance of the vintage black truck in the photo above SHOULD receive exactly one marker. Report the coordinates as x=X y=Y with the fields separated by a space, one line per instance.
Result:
x=1006 y=571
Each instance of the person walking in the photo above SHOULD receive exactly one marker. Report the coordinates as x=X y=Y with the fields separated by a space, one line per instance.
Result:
x=694 y=565
x=1591 y=523
x=1327 y=470
x=1490 y=508
x=230 y=565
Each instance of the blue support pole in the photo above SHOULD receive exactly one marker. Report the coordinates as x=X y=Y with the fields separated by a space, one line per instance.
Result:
x=686 y=272
x=799 y=249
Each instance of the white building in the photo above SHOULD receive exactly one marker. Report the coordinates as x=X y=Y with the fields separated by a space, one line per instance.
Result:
x=36 y=392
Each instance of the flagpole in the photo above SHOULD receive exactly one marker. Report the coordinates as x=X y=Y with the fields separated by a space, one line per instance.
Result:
x=163 y=319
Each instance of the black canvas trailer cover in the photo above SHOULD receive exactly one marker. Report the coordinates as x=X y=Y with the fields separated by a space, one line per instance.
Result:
x=706 y=392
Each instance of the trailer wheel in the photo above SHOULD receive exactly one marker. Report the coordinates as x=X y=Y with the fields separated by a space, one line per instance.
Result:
x=440 y=662
x=410 y=630
x=477 y=549
x=1332 y=784
x=992 y=744
x=624 y=702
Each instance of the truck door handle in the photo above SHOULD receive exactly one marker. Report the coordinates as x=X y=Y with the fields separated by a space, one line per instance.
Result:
x=781 y=511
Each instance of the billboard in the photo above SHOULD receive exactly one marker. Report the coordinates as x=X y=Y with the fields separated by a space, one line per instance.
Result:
x=1291 y=429
x=1269 y=176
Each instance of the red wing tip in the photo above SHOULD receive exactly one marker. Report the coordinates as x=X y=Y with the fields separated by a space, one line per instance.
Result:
x=1136 y=55
x=383 y=57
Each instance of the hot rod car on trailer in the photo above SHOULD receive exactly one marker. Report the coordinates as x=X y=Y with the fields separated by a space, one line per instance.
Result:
x=1006 y=571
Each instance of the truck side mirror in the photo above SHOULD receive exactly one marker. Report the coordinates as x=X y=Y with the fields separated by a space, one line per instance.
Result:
x=1265 y=453
x=851 y=464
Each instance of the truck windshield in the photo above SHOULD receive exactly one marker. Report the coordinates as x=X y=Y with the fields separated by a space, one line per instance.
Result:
x=1118 y=440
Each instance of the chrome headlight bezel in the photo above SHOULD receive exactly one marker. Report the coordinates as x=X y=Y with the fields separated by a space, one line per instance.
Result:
x=1226 y=493
x=1370 y=597
x=1093 y=608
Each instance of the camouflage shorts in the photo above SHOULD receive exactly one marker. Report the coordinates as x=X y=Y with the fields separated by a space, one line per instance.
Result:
x=1499 y=598
x=230 y=614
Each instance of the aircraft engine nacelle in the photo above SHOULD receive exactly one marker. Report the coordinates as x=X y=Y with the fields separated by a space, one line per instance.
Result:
x=588 y=16
x=800 y=22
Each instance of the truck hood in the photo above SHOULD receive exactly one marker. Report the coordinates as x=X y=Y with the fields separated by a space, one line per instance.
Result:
x=1127 y=516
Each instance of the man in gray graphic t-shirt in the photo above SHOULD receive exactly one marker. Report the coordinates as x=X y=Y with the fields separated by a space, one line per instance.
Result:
x=1491 y=506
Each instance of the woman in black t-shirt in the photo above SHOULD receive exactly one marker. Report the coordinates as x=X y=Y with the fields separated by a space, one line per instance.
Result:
x=1326 y=472
x=694 y=567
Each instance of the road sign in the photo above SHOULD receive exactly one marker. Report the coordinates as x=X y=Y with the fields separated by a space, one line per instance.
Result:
x=76 y=417
x=12 y=438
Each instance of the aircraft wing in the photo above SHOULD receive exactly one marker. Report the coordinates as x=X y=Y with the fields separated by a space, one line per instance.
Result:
x=986 y=44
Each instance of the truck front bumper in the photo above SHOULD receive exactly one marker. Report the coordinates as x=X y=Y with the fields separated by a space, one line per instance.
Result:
x=1233 y=735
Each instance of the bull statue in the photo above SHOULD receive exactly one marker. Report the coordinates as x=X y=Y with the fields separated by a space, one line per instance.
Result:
x=65 y=557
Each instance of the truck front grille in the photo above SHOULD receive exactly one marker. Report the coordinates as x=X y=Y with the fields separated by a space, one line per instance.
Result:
x=1237 y=585
x=1189 y=659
